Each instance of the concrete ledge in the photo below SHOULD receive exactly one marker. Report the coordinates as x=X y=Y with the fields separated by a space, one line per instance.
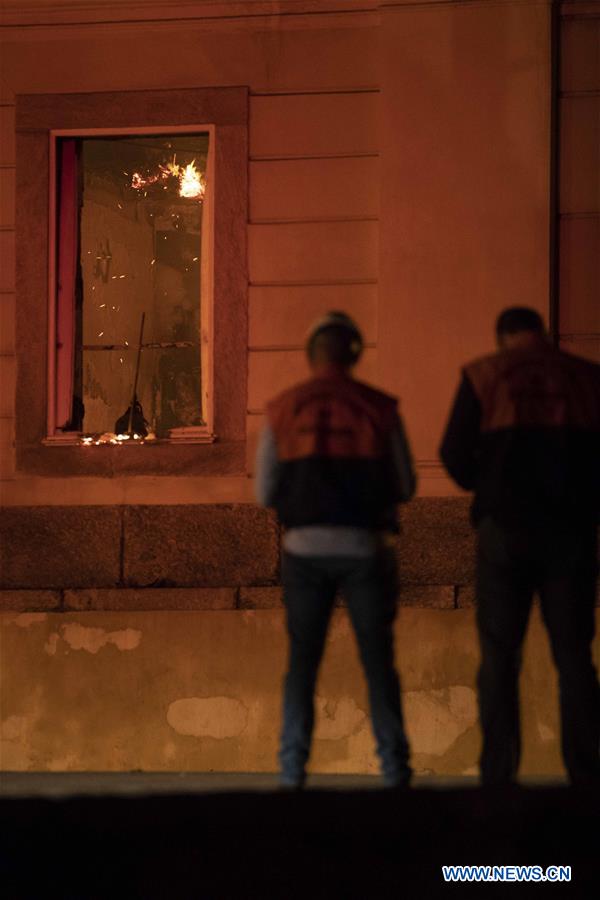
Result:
x=122 y=599
x=30 y=601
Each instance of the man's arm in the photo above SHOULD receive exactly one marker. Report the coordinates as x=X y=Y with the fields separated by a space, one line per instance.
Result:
x=267 y=467
x=459 y=444
x=404 y=474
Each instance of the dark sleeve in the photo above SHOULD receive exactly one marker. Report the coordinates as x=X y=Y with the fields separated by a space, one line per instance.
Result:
x=461 y=438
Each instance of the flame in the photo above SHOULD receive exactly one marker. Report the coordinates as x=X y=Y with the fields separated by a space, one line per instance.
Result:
x=191 y=182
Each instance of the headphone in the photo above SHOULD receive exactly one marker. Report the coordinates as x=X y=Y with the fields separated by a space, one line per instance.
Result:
x=339 y=320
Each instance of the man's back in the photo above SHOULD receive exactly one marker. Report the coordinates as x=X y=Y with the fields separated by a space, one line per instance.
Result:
x=524 y=433
x=333 y=436
x=534 y=417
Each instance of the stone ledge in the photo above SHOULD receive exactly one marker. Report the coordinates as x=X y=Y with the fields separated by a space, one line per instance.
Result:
x=148 y=599
x=436 y=544
x=465 y=596
x=30 y=601
x=261 y=598
x=428 y=596
x=432 y=596
x=55 y=547
x=199 y=546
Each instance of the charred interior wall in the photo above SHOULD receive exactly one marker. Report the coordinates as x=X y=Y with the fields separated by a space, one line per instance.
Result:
x=399 y=167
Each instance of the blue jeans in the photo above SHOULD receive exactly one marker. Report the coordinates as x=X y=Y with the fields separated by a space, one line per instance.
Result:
x=369 y=586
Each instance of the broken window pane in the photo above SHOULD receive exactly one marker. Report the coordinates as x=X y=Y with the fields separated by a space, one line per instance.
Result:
x=140 y=215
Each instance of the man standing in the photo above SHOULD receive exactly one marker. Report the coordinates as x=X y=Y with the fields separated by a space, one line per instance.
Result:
x=334 y=462
x=524 y=434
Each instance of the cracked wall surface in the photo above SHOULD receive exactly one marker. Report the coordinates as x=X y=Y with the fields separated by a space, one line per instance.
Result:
x=201 y=691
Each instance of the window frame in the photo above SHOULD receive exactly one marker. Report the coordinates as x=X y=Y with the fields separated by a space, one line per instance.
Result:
x=200 y=434
x=39 y=120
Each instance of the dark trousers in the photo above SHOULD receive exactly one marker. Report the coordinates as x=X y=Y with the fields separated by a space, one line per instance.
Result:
x=560 y=564
x=370 y=587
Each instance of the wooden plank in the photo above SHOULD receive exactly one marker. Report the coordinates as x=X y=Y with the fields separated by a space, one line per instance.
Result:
x=313 y=125
x=314 y=189
x=313 y=252
x=281 y=316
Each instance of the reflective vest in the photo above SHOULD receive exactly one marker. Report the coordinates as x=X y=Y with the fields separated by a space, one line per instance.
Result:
x=332 y=435
x=539 y=448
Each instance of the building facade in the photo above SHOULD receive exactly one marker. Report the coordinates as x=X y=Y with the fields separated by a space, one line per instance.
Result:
x=420 y=165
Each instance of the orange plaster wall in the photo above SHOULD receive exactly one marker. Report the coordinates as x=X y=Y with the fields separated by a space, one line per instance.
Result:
x=398 y=168
x=464 y=187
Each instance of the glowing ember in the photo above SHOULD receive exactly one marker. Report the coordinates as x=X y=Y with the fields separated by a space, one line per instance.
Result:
x=109 y=437
x=191 y=182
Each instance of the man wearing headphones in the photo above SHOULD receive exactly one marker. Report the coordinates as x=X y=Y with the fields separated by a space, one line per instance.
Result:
x=334 y=462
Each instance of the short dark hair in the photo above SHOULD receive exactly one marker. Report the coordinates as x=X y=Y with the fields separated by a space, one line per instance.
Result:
x=336 y=344
x=519 y=318
x=336 y=338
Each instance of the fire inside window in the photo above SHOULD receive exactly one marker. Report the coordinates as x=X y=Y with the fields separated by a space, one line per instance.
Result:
x=129 y=285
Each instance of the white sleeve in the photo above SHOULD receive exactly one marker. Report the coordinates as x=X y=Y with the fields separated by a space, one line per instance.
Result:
x=267 y=467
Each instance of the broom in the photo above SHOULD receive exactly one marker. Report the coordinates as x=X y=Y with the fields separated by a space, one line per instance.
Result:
x=135 y=407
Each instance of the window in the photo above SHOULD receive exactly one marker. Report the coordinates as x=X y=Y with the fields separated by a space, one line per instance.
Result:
x=130 y=357
x=193 y=365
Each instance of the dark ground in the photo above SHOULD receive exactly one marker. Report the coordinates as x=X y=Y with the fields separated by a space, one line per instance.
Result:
x=240 y=843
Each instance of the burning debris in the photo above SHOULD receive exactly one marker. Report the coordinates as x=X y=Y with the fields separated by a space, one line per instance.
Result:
x=191 y=182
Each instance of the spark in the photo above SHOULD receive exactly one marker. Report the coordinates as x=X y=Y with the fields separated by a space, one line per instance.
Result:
x=119 y=205
x=191 y=182
x=152 y=262
x=122 y=276
x=100 y=334
x=195 y=259
x=102 y=305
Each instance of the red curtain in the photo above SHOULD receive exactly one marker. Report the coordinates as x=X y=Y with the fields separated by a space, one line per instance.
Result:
x=66 y=282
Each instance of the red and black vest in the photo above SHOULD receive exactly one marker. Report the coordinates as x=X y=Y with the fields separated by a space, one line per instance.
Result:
x=333 y=445
x=539 y=448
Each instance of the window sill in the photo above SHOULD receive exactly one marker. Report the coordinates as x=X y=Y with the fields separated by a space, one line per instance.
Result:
x=189 y=436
